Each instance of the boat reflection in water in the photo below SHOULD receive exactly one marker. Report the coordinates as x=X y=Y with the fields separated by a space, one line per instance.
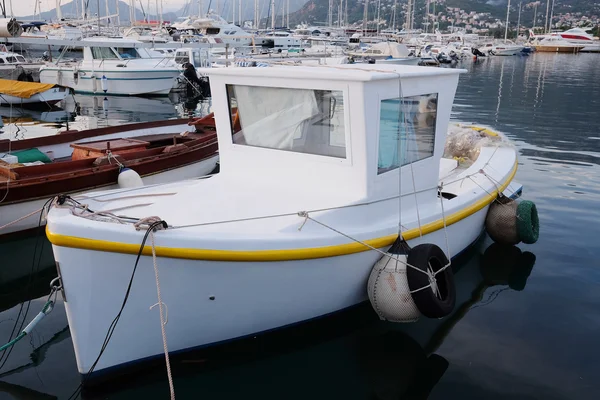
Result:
x=101 y=111
x=348 y=355
x=21 y=123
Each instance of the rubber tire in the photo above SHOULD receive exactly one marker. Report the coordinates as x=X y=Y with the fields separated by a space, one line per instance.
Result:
x=528 y=223
x=426 y=301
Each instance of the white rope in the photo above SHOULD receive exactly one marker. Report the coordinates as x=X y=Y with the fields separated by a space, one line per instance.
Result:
x=306 y=217
x=163 y=322
x=444 y=219
x=21 y=219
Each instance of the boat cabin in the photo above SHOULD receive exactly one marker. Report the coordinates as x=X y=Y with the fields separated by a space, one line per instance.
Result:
x=346 y=130
x=7 y=57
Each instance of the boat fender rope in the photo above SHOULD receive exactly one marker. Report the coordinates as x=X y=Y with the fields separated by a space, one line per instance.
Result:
x=163 y=317
x=47 y=309
x=306 y=217
x=16 y=221
x=145 y=223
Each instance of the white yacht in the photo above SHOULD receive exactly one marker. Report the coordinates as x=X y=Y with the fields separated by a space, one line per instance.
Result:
x=114 y=67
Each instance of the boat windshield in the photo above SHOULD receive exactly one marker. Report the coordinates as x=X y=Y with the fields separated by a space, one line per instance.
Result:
x=297 y=120
x=127 y=52
x=406 y=131
x=103 y=53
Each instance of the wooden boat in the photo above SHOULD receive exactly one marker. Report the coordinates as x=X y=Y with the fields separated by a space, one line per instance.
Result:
x=156 y=151
x=321 y=176
x=30 y=94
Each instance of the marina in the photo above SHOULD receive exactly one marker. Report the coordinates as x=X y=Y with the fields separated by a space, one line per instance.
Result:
x=381 y=213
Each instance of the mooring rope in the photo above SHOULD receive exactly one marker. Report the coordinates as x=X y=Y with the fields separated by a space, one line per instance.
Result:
x=163 y=317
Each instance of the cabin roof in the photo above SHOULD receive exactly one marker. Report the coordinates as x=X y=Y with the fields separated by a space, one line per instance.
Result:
x=348 y=72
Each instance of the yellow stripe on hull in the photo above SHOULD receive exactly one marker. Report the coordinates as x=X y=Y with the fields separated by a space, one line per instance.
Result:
x=273 y=255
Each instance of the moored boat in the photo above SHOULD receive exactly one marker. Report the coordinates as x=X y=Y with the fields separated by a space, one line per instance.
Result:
x=556 y=44
x=75 y=162
x=120 y=69
x=313 y=188
x=31 y=94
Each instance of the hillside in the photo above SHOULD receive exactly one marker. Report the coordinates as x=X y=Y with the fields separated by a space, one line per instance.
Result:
x=315 y=11
x=69 y=10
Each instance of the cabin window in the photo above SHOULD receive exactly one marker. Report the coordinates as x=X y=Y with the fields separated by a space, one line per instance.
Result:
x=11 y=60
x=1 y=61
x=127 y=52
x=103 y=53
x=181 y=57
x=197 y=59
x=406 y=131
x=298 y=120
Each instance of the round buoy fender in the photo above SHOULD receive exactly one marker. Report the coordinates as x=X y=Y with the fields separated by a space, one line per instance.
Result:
x=429 y=258
x=528 y=223
x=128 y=178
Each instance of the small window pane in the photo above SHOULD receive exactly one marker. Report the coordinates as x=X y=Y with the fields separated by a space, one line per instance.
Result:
x=127 y=52
x=406 y=131
x=103 y=53
x=299 y=120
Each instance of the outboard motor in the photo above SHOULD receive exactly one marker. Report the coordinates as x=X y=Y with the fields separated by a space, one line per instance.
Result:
x=476 y=53
x=192 y=83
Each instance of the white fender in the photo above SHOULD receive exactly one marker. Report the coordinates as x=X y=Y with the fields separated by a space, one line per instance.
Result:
x=128 y=178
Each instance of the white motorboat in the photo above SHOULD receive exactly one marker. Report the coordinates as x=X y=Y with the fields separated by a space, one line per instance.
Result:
x=314 y=184
x=505 y=48
x=387 y=53
x=121 y=69
x=580 y=36
x=30 y=94
x=15 y=66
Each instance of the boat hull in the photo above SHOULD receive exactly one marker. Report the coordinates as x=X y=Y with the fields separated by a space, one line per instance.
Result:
x=157 y=82
x=14 y=211
x=399 y=61
x=509 y=51
x=558 y=49
x=210 y=302
x=46 y=98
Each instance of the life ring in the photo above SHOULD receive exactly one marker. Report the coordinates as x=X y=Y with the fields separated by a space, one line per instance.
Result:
x=431 y=303
x=528 y=223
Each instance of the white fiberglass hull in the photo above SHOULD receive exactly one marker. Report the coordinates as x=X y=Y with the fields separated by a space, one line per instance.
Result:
x=248 y=297
x=399 y=61
x=118 y=82
x=48 y=97
x=591 y=48
x=507 y=50
x=212 y=299
x=14 y=211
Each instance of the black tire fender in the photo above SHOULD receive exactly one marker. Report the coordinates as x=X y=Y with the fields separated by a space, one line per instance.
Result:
x=424 y=257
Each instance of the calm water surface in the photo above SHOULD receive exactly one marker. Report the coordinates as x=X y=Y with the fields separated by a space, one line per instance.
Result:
x=526 y=324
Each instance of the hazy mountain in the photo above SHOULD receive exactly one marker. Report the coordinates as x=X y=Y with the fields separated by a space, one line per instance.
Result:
x=69 y=10
x=315 y=11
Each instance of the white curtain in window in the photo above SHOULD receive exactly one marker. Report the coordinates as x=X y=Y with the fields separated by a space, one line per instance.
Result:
x=272 y=117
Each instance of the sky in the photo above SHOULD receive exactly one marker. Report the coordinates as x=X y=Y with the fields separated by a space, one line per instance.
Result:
x=25 y=7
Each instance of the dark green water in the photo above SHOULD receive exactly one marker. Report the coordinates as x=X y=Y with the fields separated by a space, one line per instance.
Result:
x=526 y=325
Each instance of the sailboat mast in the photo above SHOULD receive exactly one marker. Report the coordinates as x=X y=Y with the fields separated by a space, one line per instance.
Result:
x=519 y=20
x=408 y=15
x=507 y=15
x=378 y=14
x=273 y=15
x=394 y=15
x=551 y=16
x=365 y=15
x=547 y=11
